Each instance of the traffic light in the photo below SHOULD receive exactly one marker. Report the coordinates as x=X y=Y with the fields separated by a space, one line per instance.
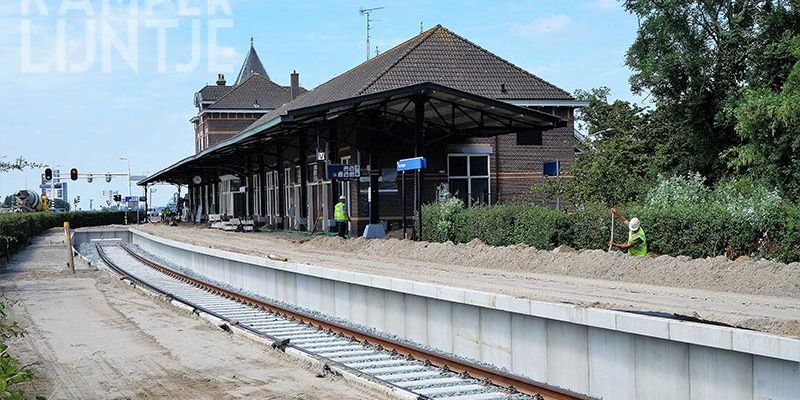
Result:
x=117 y=198
x=73 y=174
x=48 y=174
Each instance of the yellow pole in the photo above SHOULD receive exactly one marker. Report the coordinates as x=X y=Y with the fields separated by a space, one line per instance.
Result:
x=71 y=261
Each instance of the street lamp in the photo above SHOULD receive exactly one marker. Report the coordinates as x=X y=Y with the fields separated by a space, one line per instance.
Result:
x=129 y=174
x=127 y=206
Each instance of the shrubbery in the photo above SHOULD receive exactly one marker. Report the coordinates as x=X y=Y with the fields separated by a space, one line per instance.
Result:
x=697 y=223
x=16 y=230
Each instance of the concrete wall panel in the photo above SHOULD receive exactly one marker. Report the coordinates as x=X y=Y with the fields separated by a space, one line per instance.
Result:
x=775 y=379
x=376 y=317
x=440 y=325
x=261 y=286
x=529 y=346
x=358 y=304
x=466 y=331
x=314 y=289
x=495 y=334
x=719 y=375
x=395 y=313
x=416 y=319
x=567 y=361
x=611 y=364
x=662 y=369
x=342 y=300
x=328 y=290
x=290 y=282
x=301 y=285
x=272 y=283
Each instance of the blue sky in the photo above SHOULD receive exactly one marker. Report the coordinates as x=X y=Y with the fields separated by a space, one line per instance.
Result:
x=79 y=91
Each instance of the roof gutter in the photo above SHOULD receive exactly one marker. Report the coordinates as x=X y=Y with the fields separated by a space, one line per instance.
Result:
x=548 y=103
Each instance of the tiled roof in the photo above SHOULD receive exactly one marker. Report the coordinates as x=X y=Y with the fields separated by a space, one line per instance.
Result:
x=436 y=55
x=251 y=66
x=214 y=93
x=258 y=89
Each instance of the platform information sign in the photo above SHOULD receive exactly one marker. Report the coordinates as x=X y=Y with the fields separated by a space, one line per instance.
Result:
x=412 y=164
x=344 y=171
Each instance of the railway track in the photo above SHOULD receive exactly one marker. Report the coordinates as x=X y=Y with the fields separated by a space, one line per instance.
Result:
x=411 y=371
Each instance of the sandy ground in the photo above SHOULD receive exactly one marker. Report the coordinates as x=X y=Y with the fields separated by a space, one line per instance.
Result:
x=759 y=295
x=94 y=337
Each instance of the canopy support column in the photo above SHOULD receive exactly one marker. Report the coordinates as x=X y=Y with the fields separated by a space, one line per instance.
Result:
x=262 y=189
x=303 y=206
x=279 y=223
x=248 y=187
x=419 y=151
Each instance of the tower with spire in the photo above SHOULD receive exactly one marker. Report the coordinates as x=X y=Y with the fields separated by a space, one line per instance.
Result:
x=224 y=110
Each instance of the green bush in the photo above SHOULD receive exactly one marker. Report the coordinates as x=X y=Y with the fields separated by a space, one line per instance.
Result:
x=16 y=230
x=696 y=230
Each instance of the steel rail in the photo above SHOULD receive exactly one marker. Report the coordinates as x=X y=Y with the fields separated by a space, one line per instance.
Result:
x=474 y=370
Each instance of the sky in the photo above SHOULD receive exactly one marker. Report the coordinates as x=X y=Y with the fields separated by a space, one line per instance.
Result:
x=87 y=82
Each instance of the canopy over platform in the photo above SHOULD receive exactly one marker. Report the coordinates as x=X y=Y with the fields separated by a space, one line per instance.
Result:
x=441 y=112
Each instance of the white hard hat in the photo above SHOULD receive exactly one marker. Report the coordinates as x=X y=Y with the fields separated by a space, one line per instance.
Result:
x=633 y=224
x=342 y=197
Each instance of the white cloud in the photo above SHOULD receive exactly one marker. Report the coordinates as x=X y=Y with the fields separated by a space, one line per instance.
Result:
x=543 y=25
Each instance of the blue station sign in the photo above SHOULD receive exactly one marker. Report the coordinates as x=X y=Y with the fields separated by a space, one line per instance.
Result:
x=412 y=164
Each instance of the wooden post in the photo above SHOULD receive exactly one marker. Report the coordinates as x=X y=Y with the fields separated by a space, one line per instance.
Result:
x=71 y=261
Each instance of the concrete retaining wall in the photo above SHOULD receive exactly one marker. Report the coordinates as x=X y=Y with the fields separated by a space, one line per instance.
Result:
x=603 y=353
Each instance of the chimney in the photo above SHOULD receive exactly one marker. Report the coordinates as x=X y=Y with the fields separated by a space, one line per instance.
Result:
x=294 y=90
x=221 y=80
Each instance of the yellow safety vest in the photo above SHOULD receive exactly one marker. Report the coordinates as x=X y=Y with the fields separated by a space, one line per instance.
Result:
x=641 y=249
x=340 y=212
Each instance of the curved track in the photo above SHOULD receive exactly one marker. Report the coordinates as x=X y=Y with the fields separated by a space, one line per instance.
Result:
x=407 y=369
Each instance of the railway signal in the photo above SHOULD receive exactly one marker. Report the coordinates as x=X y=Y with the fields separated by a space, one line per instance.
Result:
x=73 y=174
x=48 y=174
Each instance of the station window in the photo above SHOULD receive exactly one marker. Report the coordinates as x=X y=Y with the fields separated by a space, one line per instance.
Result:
x=529 y=138
x=388 y=182
x=468 y=178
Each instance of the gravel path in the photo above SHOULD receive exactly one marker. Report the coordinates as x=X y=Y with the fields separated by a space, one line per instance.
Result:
x=94 y=337
x=760 y=295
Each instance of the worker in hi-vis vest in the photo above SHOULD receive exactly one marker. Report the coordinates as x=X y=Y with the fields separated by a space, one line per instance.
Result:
x=341 y=216
x=637 y=241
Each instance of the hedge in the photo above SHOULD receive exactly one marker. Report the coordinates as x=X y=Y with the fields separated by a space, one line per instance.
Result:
x=703 y=230
x=16 y=230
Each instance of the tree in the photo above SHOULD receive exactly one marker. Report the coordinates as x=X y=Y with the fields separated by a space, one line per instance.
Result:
x=694 y=58
x=59 y=203
x=769 y=124
x=9 y=201
x=19 y=164
x=624 y=156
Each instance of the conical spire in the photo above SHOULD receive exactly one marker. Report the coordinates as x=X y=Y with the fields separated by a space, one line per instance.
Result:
x=251 y=66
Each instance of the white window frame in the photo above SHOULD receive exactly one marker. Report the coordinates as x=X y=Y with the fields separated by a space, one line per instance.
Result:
x=469 y=175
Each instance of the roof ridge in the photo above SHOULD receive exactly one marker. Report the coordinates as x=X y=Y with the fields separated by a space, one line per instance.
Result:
x=503 y=60
x=426 y=35
x=236 y=87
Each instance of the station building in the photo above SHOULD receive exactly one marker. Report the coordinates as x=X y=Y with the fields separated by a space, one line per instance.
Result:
x=485 y=126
